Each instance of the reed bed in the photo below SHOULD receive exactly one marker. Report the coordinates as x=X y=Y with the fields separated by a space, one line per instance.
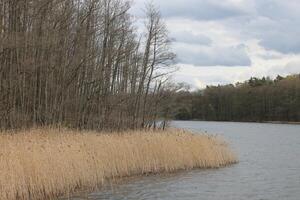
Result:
x=47 y=163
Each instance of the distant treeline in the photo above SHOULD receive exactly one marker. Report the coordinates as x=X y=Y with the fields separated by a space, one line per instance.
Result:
x=82 y=64
x=255 y=100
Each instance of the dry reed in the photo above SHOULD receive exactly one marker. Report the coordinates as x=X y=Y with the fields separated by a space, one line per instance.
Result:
x=47 y=163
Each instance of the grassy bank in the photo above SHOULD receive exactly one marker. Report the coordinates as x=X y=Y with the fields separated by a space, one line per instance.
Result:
x=46 y=163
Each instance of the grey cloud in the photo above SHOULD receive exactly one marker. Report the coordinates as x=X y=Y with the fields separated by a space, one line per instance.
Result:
x=194 y=9
x=276 y=25
x=199 y=10
x=281 y=42
x=281 y=36
x=278 y=9
x=229 y=56
x=190 y=38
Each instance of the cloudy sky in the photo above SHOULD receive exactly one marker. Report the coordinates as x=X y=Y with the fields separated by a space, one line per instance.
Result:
x=219 y=42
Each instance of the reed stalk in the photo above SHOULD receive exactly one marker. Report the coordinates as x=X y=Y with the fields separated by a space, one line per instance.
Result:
x=45 y=163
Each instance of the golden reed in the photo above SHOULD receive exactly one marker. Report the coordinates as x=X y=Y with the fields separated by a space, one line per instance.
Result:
x=47 y=163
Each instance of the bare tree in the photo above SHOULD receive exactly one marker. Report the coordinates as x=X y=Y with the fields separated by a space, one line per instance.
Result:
x=80 y=64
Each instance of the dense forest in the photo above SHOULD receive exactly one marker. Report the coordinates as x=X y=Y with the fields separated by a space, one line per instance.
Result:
x=81 y=64
x=255 y=100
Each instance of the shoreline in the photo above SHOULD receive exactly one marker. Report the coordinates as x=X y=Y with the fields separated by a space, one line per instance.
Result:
x=280 y=122
x=262 y=122
x=49 y=163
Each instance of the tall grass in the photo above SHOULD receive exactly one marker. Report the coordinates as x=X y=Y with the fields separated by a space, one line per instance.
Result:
x=46 y=163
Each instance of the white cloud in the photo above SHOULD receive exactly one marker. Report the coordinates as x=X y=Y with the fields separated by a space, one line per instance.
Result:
x=199 y=77
x=214 y=39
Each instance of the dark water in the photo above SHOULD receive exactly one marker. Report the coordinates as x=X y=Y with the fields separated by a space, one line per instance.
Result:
x=269 y=168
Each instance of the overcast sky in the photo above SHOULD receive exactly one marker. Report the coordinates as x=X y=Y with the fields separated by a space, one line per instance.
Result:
x=219 y=42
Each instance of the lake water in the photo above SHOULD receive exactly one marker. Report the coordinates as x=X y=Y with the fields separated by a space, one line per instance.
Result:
x=269 y=168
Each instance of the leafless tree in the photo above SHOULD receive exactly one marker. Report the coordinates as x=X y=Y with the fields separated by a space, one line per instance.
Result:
x=81 y=64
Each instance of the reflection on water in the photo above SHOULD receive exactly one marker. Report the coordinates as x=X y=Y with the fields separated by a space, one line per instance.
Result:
x=269 y=168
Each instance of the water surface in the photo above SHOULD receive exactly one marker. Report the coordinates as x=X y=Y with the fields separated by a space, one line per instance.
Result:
x=269 y=168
